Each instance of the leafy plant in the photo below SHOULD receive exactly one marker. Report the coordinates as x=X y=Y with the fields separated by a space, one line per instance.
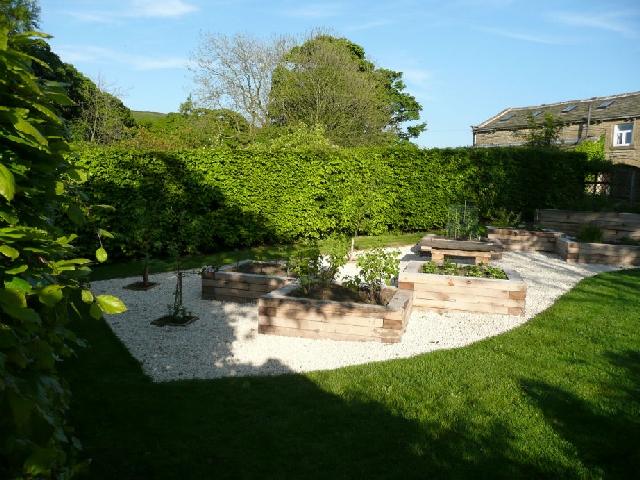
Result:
x=450 y=268
x=42 y=285
x=628 y=241
x=506 y=219
x=313 y=269
x=590 y=233
x=377 y=268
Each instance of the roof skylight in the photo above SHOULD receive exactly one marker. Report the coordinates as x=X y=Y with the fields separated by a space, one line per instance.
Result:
x=569 y=108
x=605 y=104
x=537 y=112
x=507 y=117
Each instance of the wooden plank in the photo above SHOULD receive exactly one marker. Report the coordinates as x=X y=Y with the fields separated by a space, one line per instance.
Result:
x=327 y=306
x=443 y=243
x=321 y=317
x=454 y=281
x=460 y=307
x=421 y=297
x=295 y=332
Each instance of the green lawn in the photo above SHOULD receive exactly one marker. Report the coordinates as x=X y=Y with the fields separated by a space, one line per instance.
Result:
x=558 y=397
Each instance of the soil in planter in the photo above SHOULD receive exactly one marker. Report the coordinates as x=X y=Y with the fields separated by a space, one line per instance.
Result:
x=171 y=321
x=263 y=268
x=140 y=286
x=340 y=293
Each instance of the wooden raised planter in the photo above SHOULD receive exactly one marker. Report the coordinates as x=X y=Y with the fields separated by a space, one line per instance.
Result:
x=614 y=225
x=515 y=240
x=577 y=252
x=227 y=286
x=439 y=247
x=446 y=293
x=280 y=314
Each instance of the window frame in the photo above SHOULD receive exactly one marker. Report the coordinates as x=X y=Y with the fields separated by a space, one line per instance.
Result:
x=622 y=133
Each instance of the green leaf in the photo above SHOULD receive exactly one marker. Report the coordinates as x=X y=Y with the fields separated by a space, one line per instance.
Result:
x=9 y=252
x=26 y=314
x=75 y=214
x=104 y=233
x=40 y=461
x=110 y=304
x=77 y=174
x=101 y=255
x=59 y=188
x=50 y=295
x=7 y=183
x=87 y=296
x=95 y=311
x=17 y=270
x=7 y=217
x=12 y=298
x=18 y=284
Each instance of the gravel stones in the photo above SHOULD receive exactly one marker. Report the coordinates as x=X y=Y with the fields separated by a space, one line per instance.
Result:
x=224 y=341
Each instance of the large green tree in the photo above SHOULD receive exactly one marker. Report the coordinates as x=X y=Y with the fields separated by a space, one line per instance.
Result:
x=235 y=73
x=330 y=82
x=41 y=284
x=19 y=15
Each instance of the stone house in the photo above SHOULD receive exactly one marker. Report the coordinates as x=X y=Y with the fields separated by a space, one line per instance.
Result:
x=617 y=117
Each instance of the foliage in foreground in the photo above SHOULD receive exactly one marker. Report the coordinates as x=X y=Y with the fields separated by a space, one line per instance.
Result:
x=555 y=398
x=43 y=285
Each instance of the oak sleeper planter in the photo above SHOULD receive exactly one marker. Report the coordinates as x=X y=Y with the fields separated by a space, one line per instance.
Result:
x=280 y=314
x=581 y=252
x=518 y=240
x=449 y=293
x=228 y=286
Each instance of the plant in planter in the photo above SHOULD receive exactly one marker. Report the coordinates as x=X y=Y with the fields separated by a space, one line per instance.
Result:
x=590 y=233
x=313 y=270
x=450 y=268
x=377 y=268
x=462 y=222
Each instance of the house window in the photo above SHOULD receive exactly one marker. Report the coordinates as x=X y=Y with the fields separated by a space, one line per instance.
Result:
x=622 y=135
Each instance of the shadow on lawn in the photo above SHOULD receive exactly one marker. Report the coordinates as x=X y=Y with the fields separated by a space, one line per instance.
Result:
x=267 y=427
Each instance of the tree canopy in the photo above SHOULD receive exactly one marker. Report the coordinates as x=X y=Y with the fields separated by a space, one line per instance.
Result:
x=329 y=81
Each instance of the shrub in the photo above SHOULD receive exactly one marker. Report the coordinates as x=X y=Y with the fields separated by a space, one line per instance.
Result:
x=590 y=233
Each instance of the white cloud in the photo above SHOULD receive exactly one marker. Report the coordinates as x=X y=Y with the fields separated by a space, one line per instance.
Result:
x=617 y=22
x=137 y=9
x=99 y=55
x=520 y=35
x=160 y=8
x=366 y=26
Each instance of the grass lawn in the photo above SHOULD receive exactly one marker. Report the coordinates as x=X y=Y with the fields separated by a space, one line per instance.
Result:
x=558 y=397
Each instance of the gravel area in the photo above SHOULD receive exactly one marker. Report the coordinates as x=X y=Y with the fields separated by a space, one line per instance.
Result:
x=224 y=341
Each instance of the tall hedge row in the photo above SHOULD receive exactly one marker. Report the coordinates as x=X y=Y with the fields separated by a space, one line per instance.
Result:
x=208 y=200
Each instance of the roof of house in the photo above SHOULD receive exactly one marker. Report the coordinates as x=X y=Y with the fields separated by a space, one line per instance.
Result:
x=614 y=107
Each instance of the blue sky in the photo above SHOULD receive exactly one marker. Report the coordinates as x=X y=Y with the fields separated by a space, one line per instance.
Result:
x=464 y=60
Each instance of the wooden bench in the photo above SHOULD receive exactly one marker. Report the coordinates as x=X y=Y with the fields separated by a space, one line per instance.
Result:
x=440 y=247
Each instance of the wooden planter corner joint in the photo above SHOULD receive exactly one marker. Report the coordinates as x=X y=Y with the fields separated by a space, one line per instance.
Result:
x=446 y=293
x=227 y=286
x=280 y=314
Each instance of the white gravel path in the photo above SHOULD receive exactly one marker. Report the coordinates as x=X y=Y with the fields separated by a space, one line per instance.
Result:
x=224 y=340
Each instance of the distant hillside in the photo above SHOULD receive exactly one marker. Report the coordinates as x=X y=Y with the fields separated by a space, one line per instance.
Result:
x=147 y=116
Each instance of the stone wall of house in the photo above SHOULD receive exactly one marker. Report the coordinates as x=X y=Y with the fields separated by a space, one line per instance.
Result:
x=571 y=133
x=626 y=155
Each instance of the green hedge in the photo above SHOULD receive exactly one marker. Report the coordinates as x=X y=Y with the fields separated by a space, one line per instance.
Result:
x=209 y=200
